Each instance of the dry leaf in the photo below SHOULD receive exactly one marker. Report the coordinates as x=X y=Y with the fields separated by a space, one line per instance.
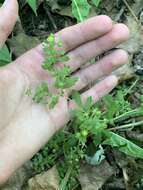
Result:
x=93 y=178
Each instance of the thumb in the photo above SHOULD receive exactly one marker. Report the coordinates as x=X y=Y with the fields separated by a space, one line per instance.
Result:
x=8 y=15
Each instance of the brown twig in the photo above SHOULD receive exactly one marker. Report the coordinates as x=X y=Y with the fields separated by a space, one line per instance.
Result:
x=132 y=12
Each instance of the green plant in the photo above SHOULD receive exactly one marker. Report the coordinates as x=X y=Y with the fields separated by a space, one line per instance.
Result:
x=81 y=8
x=1 y=1
x=91 y=125
x=5 y=56
x=96 y=2
x=33 y=5
x=62 y=77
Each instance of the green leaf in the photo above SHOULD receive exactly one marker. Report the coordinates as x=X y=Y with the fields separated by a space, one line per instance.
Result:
x=89 y=103
x=70 y=82
x=96 y=2
x=41 y=92
x=109 y=100
x=66 y=82
x=5 y=56
x=80 y=9
x=33 y=5
x=77 y=98
x=1 y=1
x=53 y=101
x=124 y=145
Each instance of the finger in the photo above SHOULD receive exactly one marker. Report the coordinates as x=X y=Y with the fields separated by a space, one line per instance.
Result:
x=72 y=37
x=8 y=15
x=98 y=91
x=103 y=68
x=84 y=53
x=83 y=32
x=33 y=59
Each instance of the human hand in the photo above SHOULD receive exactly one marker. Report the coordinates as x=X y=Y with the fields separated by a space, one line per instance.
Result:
x=26 y=126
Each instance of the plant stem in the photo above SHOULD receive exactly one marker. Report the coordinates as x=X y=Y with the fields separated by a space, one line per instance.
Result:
x=132 y=12
x=127 y=126
x=78 y=10
x=132 y=86
x=127 y=114
x=66 y=178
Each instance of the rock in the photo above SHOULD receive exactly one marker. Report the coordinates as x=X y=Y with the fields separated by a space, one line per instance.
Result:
x=135 y=42
x=45 y=181
x=18 y=179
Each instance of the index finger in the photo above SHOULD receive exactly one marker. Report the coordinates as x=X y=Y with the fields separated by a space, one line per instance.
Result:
x=71 y=38
x=81 y=33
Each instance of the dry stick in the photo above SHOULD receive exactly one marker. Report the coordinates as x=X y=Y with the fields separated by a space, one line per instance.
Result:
x=132 y=12
x=52 y=20
x=126 y=179
x=119 y=14
x=127 y=126
x=132 y=86
x=126 y=115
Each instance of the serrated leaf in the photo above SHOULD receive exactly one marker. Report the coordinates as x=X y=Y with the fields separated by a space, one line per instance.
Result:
x=53 y=101
x=70 y=82
x=80 y=9
x=109 y=100
x=40 y=93
x=33 y=5
x=5 y=56
x=124 y=145
x=89 y=103
x=96 y=2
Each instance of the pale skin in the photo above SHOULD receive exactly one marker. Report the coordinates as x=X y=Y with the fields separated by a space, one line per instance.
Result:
x=25 y=126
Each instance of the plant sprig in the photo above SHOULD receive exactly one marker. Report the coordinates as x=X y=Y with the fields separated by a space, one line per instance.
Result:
x=62 y=77
x=89 y=125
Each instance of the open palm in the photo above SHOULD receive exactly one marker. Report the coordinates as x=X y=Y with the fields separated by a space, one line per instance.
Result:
x=26 y=126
